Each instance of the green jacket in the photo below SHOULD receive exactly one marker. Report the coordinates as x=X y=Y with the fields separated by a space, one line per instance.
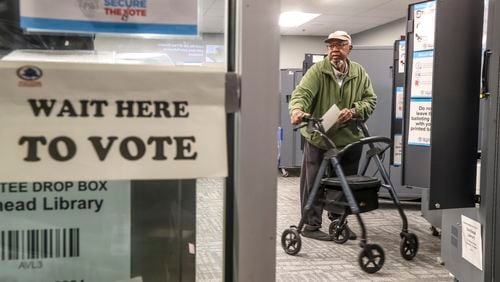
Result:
x=319 y=89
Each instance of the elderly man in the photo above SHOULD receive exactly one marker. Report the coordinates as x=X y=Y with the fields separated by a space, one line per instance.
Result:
x=335 y=80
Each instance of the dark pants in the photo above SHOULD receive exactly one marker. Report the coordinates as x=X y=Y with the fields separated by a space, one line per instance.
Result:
x=313 y=157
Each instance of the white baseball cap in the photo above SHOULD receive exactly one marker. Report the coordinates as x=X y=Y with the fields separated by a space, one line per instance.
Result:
x=340 y=35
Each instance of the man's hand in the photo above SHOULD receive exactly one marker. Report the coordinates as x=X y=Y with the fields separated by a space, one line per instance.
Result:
x=345 y=115
x=297 y=115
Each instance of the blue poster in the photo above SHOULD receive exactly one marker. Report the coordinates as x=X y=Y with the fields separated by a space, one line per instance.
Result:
x=161 y=17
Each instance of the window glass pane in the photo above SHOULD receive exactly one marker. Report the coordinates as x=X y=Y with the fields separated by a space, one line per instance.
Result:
x=145 y=230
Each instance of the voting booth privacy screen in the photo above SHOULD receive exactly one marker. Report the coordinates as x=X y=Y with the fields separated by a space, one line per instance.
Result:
x=442 y=100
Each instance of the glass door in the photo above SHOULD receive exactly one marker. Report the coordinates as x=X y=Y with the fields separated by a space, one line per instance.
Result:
x=137 y=228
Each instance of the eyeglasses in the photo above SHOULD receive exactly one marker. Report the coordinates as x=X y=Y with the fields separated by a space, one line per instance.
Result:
x=337 y=45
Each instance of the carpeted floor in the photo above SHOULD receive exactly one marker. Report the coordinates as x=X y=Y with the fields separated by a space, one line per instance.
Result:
x=317 y=260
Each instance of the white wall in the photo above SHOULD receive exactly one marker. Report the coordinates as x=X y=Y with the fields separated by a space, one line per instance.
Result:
x=382 y=35
x=293 y=48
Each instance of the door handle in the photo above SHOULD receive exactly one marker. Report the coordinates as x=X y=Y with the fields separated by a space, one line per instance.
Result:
x=485 y=89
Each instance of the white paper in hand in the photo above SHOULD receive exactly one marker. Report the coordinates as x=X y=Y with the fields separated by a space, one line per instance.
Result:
x=330 y=117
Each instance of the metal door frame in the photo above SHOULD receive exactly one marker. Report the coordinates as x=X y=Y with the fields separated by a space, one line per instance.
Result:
x=251 y=193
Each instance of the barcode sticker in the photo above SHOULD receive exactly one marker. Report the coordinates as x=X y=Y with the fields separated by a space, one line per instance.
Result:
x=39 y=244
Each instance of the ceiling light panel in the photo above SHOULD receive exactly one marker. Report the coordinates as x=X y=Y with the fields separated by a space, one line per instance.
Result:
x=295 y=18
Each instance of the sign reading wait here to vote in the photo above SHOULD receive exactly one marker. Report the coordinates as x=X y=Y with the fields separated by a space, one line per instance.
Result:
x=98 y=121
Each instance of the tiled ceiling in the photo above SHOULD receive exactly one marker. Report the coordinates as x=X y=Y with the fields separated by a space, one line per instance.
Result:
x=352 y=16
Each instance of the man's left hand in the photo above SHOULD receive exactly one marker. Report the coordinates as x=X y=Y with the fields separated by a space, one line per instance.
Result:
x=345 y=115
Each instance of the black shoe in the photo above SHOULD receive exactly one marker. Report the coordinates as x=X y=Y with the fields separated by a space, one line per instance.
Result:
x=317 y=235
x=333 y=216
x=352 y=235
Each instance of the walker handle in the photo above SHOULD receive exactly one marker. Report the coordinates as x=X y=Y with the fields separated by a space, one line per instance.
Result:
x=366 y=140
x=312 y=124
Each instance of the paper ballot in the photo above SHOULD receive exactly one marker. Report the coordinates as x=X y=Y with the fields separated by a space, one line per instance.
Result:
x=330 y=117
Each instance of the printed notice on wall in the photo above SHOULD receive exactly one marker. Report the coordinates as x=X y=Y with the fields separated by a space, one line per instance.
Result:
x=421 y=76
x=424 y=17
x=402 y=56
x=472 y=246
x=70 y=122
x=399 y=102
x=419 y=131
x=398 y=149
x=65 y=231
x=164 y=17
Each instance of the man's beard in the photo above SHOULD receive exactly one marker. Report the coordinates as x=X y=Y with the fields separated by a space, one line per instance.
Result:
x=338 y=64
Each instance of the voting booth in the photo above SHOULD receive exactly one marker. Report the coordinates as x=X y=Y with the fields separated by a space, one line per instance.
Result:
x=440 y=142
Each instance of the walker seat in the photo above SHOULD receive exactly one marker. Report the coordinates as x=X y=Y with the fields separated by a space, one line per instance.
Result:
x=364 y=188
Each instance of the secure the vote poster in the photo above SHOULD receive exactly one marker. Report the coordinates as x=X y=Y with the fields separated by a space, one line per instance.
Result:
x=163 y=17
x=72 y=138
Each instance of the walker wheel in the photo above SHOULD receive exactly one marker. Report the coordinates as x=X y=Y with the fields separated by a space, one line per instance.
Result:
x=371 y=258
x=291 y=242
x=408 y=246
x=339 y=233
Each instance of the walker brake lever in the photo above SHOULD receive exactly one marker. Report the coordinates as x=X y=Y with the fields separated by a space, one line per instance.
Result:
x=299 y=127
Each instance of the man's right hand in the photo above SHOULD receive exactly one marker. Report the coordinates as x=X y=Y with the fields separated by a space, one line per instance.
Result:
x=297 y=115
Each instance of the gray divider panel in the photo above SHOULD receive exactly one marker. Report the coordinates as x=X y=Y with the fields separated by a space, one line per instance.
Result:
x=398 y=81
x=290 y=147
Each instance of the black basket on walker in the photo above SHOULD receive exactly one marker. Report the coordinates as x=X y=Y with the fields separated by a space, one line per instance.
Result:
x=364 y=189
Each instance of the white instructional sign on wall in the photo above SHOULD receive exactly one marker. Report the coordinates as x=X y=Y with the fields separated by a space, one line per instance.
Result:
x=424 y=18
x=71 y=122
x=421 y=76
x=472 y=243
x=398 y=149
x=399 y=102
x=419 y=131
x=402 y=56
